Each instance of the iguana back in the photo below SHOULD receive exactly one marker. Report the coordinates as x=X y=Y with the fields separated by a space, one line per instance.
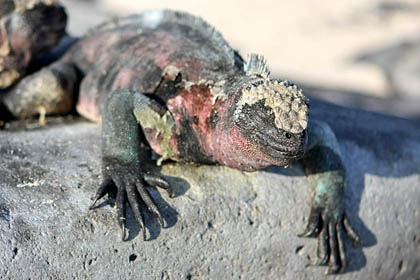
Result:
x=134 y=52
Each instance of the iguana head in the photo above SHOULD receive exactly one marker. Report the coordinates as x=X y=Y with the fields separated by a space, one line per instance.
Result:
x=271 y=115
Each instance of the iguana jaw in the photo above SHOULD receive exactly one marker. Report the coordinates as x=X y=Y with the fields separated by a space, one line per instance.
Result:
x=279 y=150
x=284 y=157
x=246 y=153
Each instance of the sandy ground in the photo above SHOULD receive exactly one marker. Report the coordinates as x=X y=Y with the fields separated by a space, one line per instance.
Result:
x=315 y=42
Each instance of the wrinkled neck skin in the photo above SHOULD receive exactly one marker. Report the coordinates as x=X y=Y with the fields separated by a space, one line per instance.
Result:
x=238 y=152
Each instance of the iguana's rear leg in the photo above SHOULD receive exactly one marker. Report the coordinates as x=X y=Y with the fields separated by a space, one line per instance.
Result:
x=51 y=90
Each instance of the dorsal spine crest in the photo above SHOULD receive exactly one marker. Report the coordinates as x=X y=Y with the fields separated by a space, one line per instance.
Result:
x=257 y=65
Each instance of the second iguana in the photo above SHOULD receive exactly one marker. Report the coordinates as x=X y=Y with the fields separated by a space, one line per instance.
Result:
x=169 y=81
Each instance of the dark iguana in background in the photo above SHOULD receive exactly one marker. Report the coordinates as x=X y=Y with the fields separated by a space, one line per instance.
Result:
x=28 y=29
x=169 y=81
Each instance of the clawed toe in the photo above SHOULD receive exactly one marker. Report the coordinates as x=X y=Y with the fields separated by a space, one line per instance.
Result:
x=334 y=269
x=106 y=187
x=133 y=191
x=157 y=181
x=331 y=248
x=314 y=224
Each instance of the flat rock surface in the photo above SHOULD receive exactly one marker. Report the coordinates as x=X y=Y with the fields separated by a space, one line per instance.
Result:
x=222 y=224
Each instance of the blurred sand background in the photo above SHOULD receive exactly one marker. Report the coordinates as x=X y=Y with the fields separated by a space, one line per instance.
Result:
x=348 y=45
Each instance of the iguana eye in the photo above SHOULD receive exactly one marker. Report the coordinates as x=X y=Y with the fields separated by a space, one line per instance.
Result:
x=288 y=135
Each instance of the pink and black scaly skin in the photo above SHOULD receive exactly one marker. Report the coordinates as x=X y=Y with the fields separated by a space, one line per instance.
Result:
x=168 y=80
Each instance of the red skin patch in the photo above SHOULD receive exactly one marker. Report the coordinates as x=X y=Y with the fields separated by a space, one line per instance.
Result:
x=242 y=153
x=123 y=79
x=229 y=148
x=194 y=104
x=87 y=107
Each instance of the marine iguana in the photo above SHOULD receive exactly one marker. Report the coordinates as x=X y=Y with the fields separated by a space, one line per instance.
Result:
x=170 y=81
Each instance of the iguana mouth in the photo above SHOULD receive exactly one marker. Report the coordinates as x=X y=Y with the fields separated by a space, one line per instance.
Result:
x=286 y=155
x=282 y=148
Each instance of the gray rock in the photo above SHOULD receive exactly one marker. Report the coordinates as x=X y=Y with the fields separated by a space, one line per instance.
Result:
x=223 y=223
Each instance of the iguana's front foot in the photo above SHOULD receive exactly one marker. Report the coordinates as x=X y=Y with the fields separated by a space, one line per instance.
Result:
x=330 y=226
x=128 y=184
x=327 y=221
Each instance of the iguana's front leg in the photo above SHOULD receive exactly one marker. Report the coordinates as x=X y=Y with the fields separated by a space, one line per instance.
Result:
x=121 y=158
x=327 y=220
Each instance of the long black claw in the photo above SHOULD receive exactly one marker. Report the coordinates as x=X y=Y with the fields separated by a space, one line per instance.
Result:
x=323 y=250
x=333 y=269
x=120 y=201
x=123 y=232
x=148 y=200
x=351 y=233
x=312 y=228
x=335 y=262
x=135 y=207
x=103 y=189
x=144 y=233
x=92 y=206
x=157 y=181
x=340 y=236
